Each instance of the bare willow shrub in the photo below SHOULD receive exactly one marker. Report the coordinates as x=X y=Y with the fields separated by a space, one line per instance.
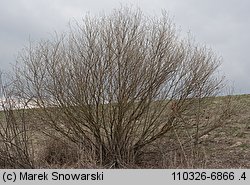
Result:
x=15 y=143
x=116 y=82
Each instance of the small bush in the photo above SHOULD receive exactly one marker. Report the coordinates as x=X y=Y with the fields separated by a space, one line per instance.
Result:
x=58 y=153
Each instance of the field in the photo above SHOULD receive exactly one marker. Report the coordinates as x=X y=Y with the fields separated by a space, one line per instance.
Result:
x=227 y=146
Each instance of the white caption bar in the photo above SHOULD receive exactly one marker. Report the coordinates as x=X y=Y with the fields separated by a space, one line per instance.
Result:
x=125 y=177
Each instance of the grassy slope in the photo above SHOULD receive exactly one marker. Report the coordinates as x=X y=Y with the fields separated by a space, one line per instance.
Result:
x=229 y=146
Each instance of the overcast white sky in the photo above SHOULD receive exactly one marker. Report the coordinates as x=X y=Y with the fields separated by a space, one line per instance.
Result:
x=224 y=25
